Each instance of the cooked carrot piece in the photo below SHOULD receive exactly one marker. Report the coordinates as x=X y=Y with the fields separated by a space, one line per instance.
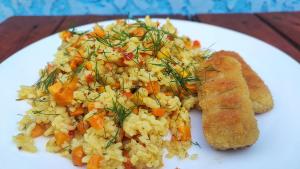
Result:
x=61 y=138
x=185 y=133
x=94 y=162
x=153 y=87
x=63 y=94
x=138 y=32
x=101 y=89
x=79 y=110
x=75 y=62
x=73 y=84
x=91 y=106
x=38 y=130
x=116 y=85
x=158 y=112
x=77 y=155
x=97 y=121
x=65 y=35
x=88 y=65
x=98 y=31
x=55 y=88
x=81 y=127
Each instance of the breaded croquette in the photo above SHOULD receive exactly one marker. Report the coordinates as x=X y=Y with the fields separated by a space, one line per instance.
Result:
x=227 y=116
x=259 y=93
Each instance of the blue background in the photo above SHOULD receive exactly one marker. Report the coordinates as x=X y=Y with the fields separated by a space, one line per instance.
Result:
x=140 y=7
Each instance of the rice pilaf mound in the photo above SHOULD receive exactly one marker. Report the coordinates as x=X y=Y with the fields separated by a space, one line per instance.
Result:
x=113 y=95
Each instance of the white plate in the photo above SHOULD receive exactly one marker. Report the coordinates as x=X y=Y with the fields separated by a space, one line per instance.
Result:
x=277 y=147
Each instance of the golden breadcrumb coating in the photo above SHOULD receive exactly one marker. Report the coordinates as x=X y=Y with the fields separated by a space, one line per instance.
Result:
x=259 y=93
x=227 y=115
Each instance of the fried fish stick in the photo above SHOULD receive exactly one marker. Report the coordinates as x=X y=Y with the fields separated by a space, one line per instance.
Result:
x=259 y=93
x=228 y=119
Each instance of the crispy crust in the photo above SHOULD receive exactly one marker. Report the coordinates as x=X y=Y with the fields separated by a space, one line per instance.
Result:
x=227 y=115
x=259 y=93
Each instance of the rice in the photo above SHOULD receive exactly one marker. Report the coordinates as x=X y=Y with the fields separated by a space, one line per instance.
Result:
x=112 y=95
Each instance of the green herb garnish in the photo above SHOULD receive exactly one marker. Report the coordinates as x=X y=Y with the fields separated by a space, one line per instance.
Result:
x=196 y=144
x=41 y=112
x=177 y=77
x=47 y=80
x=112 y=140
x=120 y=111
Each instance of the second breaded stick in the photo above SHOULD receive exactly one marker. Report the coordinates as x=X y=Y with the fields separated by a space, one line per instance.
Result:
x=259 y=93
x=227 y=116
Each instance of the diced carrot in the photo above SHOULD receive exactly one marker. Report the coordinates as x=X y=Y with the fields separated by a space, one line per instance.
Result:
x=81 y=127
x=135 y=111
x=77 y=155
x=138 y=32
x=75 y=62
x=64 y=98
x=61 y=138
x=88 y=65
x=127 y=94
x=98 y=31
x=192 y=87
x=158 y=112
x=55 y=88
x=79 y=110
x=97 y=121
x=63 y=94
x=65 y=35
x=101 y=89
x=38 y=130
x=185 y=133
x=94 y=162
x=89 y=78
x=153 y=87
x=196 y=44
x=73 y=84
x=127 y=163
x=116 y=85
x=90 y=106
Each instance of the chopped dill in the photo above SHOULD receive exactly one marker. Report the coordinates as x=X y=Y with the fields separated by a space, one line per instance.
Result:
x=78 y=69
x=177 y=77
x=41 y=112
x=73 y=31
x=98 y=78
x=113 y=139
x=196 y=144
x=45 y=81
x=120 y=111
